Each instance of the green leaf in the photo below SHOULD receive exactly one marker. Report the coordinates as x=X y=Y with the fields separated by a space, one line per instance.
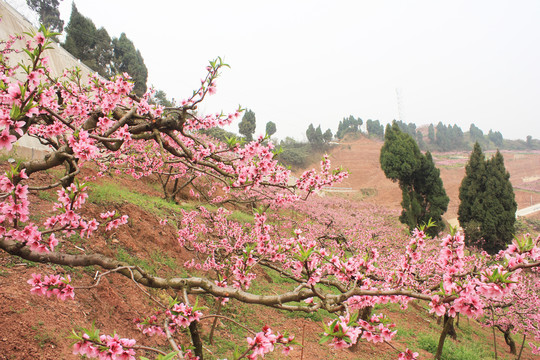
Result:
x=15 y=112
x=169 y=356
x=325 y=339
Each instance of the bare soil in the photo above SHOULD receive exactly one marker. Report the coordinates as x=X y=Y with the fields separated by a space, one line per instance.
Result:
x=361 y=158
x=36 y=327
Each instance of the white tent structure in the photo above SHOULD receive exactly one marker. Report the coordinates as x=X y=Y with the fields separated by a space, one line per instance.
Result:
x=12 y=22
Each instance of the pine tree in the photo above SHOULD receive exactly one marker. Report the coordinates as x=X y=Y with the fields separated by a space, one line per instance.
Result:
x=500 y=206
x=472 y=188
x=88 y=44
x=434 y=201
x=400 y=156
x=423 y=194
x=270 y=128
x=328 y=136
x=431 y=134
x=49 y=15
x=128 y=59
x=248 y=124
x=487 y=210
x=160 y=97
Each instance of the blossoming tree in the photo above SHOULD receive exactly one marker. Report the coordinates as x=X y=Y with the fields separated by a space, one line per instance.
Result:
x=337 y=265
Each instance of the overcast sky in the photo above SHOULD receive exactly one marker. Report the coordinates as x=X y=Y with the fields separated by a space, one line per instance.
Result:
x=301 y=62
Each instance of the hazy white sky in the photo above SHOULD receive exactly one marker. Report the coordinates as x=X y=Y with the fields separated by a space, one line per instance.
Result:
x=301 y=62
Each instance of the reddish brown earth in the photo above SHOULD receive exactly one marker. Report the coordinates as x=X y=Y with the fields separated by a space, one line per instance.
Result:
x=361 y=158
x=35 y=327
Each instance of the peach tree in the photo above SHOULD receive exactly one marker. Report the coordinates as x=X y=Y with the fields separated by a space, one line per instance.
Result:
x=336 y=264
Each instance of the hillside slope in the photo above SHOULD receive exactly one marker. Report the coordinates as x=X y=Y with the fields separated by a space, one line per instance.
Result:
x=361 y=158
x=36 y=327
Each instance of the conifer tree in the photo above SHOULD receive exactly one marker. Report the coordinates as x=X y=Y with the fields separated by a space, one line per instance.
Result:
x=423 y=194
x=49 y=14
x=96 y=50
x=487 y=211
x=270 y=128
x=434 y=201
x=248 y=124
x=431 y=133
x=500 y=206
x=88 y=44
x=128 y=59
x=472 y=189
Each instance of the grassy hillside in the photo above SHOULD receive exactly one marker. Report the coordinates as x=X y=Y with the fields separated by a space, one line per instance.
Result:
x=33 y=327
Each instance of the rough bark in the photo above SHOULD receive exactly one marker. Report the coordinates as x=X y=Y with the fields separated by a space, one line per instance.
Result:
x=448 y=324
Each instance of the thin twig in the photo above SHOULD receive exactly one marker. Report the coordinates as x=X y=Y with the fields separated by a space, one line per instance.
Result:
x=179 y=354
x=231 y=320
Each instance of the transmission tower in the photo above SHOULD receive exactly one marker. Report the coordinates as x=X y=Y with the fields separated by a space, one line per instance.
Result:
x=399 y=99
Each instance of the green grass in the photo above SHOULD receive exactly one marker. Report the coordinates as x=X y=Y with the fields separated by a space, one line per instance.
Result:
x=277 y=278
x=241 y=217
x=47 y=196
x=124 y=256
x=158 y=262
x=107 y=193
x=160 y=258
x=42 y=336
x=15 y=260
x=453 y=351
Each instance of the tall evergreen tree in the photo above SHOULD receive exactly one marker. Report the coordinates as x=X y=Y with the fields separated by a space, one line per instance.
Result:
x=270 y=128
x=423 y=194
x=248 y=124
x=434 y=201
x=160 y=97
x=128 y=59
x=487 y=210
x=496 y=137
x=476 y=133
x=348 y=125
x=473 y=186
x=88 y=44
x=431 y=133
x=374 y=127
x=327 y=136
x=500 y=206
x=96 y=50
x=49 y=15
x=400 y=156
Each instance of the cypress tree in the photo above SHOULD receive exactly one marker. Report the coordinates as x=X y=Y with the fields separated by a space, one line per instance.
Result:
x=487 y=210
x=472 y=188
x=423 y=194
x=128 y=59
x=248 y=124
x=88 y=44
x=434 y=201
x=270 y=128
x=500 y=206
x=400 y=156
x=49 y=14
x=431 y=133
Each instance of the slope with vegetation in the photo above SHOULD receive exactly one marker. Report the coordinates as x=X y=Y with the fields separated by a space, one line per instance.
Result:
x=336 y=260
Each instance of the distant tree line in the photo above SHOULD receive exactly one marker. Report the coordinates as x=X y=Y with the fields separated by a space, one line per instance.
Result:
x=316 y=137
x=349 y=125
x=440 y=137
